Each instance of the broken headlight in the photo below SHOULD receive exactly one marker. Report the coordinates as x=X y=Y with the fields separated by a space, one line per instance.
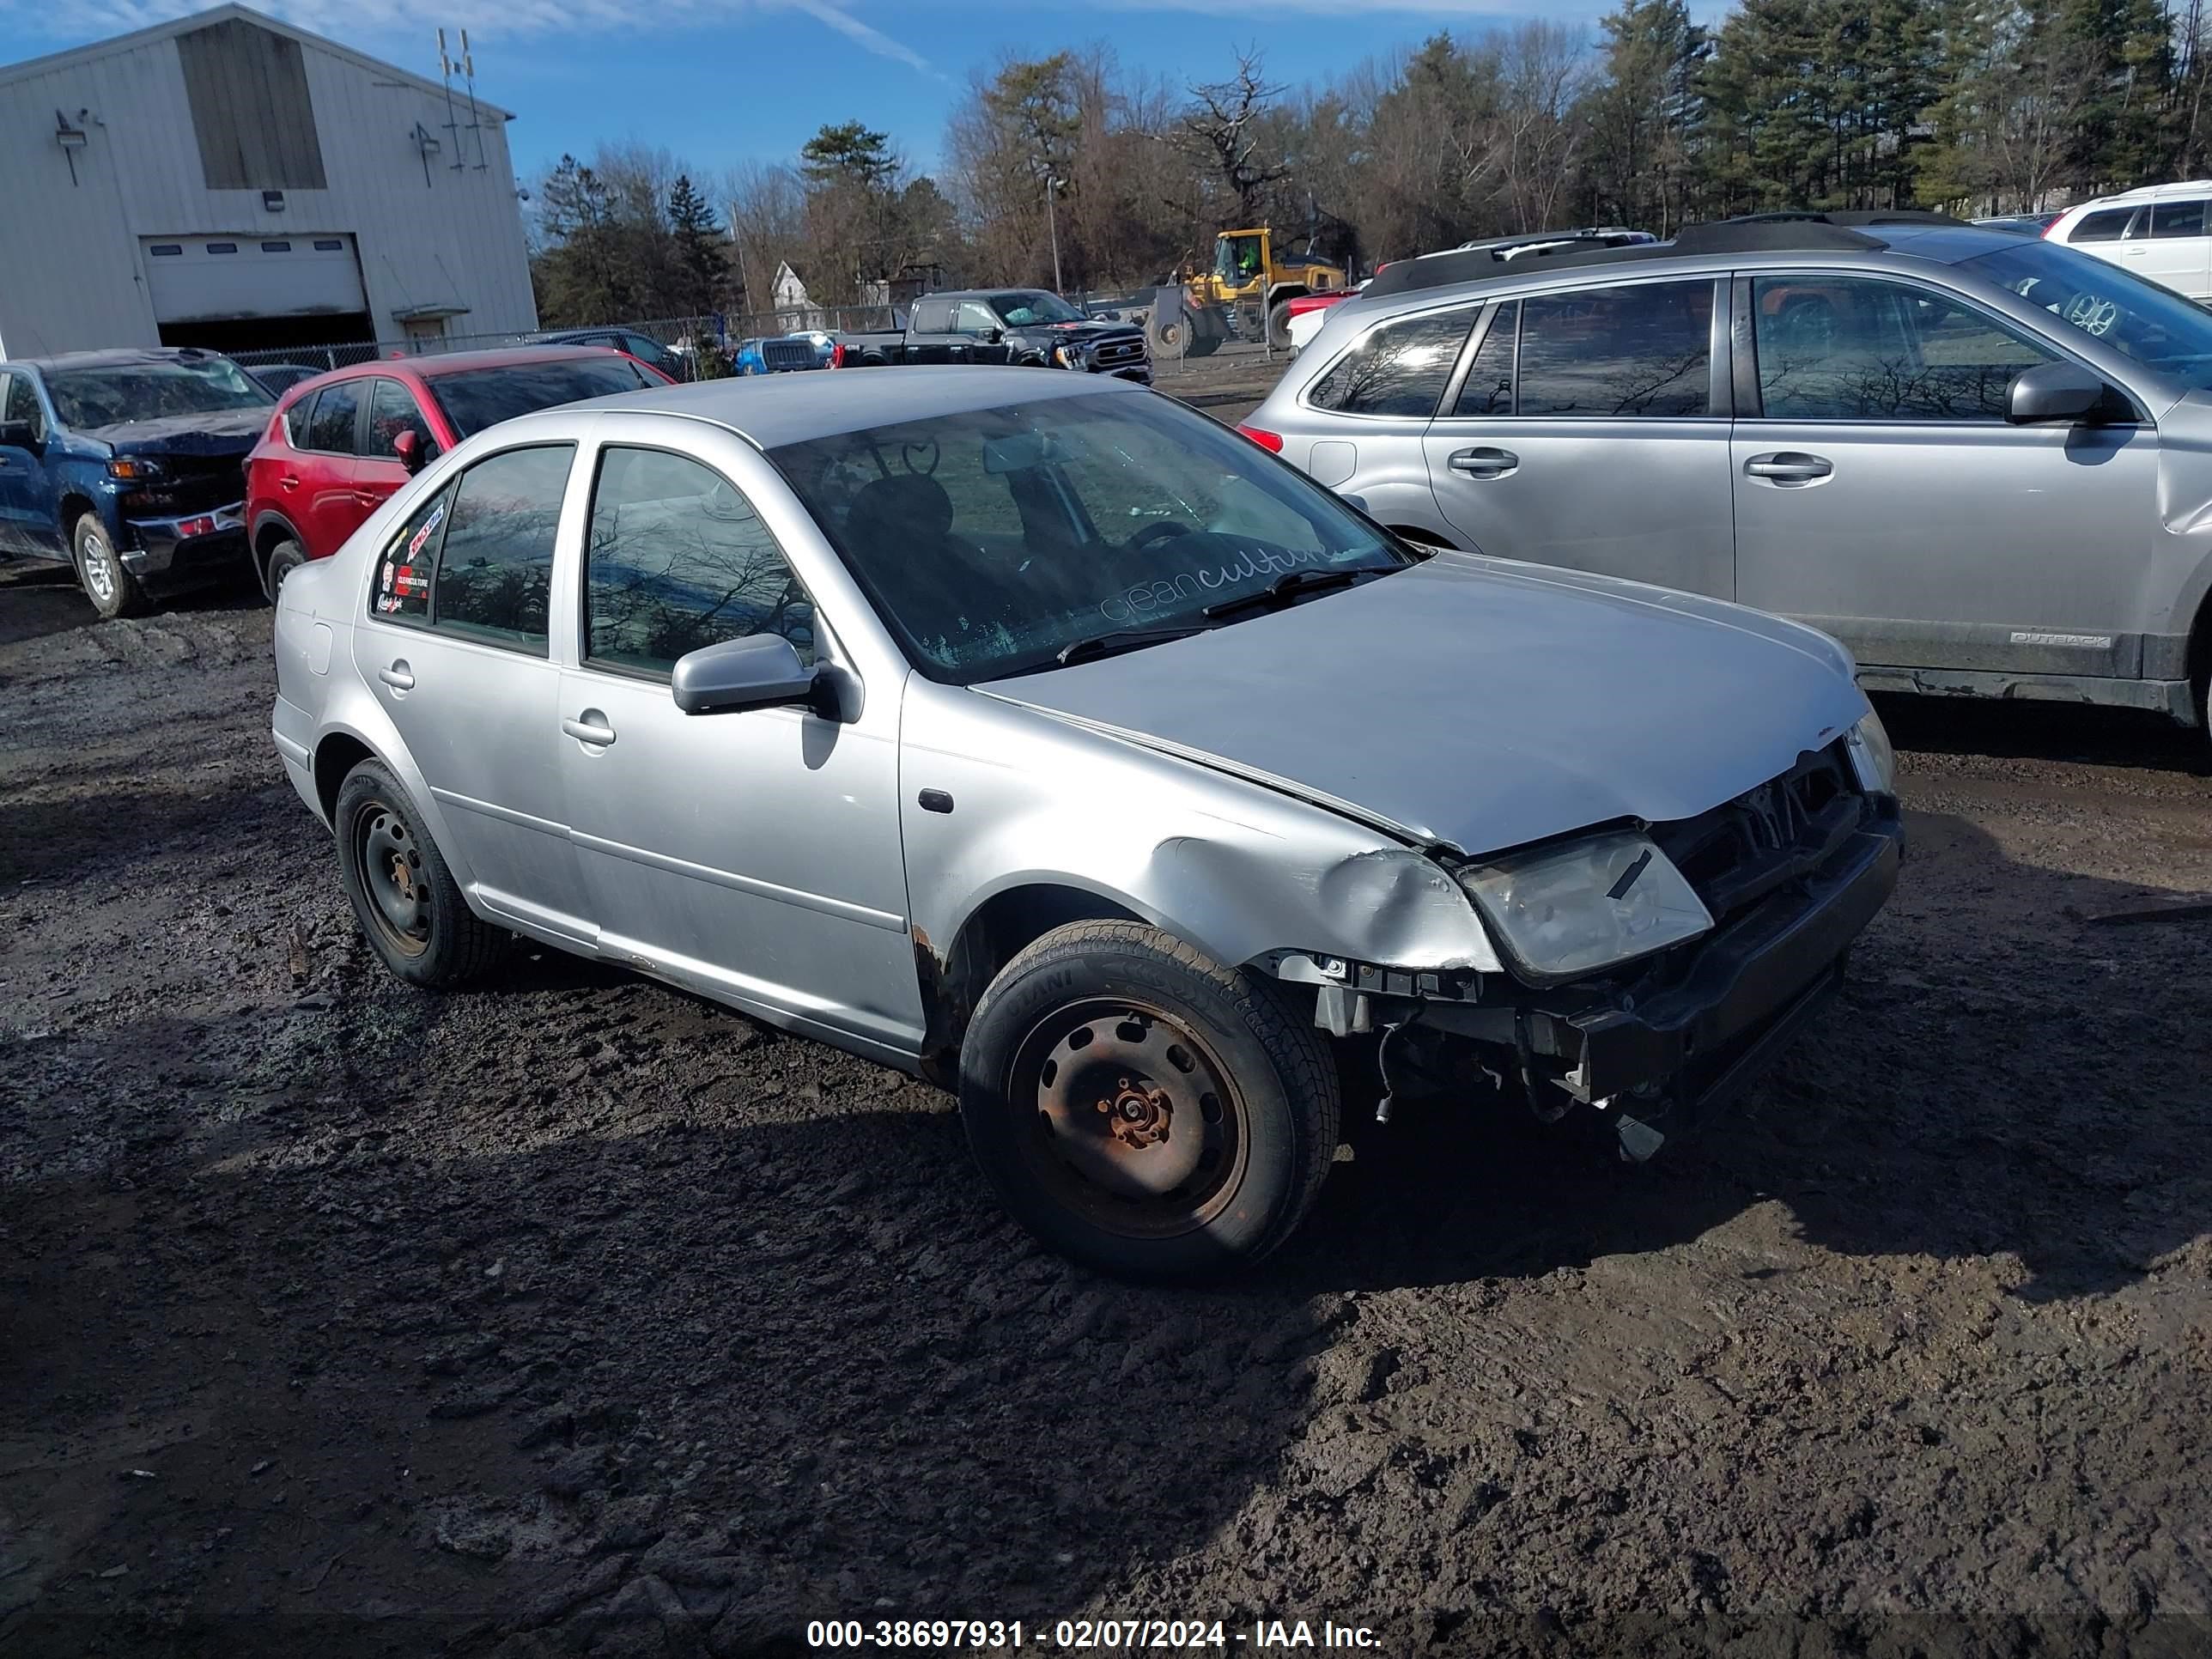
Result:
x=1560 y=912
x=1873 y=758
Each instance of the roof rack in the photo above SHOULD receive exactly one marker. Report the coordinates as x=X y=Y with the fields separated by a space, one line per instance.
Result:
x=1758 y=233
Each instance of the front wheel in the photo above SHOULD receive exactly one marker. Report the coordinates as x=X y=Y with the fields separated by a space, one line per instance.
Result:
x=1142 y=1108
x=1278 y=326
x=107 y=581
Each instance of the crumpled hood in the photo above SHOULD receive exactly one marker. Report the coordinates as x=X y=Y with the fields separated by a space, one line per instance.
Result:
x=1479 y=704
x=230 y=432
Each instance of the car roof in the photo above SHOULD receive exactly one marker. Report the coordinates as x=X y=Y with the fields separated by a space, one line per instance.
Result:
x=773 y=410
x=121 y=357
x=1704 y=247
x=2152 y=193
x=456 y=362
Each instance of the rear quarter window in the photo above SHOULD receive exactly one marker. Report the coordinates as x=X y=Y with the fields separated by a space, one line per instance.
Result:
x=1398 y=368
x=2104 y=225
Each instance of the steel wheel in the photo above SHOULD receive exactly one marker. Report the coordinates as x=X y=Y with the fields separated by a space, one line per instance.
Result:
x=1138 y=1127
x=391 y=866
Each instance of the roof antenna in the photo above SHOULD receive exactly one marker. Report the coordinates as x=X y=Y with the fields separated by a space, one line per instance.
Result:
x=476 y=119
x=452 y=120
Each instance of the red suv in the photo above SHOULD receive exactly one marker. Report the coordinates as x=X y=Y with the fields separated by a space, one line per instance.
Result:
x=340 y=444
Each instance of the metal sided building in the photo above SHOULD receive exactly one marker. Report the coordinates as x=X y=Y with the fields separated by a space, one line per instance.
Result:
x=228 y=180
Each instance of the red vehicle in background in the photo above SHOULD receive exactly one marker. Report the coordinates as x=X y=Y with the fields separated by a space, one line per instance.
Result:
x=341 y=443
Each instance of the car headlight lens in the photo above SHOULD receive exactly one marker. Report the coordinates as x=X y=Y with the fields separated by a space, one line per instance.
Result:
x=1873 y=756
x=1561 y=912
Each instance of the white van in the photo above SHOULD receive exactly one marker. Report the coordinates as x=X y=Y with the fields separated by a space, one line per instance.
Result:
x=2159 y=232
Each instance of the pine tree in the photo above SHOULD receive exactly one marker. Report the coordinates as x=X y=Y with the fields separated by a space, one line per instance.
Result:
x=702 y=261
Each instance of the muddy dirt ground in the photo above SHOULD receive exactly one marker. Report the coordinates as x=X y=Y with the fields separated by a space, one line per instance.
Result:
x=573 y=1315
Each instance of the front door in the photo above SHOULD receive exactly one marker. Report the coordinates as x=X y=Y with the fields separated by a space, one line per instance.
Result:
x=381 y=476
x=754 y=855
x=454 y=647
x=29 y=522
x=1584 y=435
x=1881 y=495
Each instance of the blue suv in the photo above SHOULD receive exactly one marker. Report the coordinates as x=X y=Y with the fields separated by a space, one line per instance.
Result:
x=129 y=465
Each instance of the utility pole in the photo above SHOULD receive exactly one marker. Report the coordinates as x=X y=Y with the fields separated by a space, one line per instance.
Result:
x=1052 y=224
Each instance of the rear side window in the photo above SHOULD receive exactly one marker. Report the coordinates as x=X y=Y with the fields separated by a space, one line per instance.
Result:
x=494 y=572
x=1489 y=388
x=2172 y=219
x=1398 y=368
x=401 y=590
x=330 y=427
x=2103 y=226
x=1644 y=350
x=295 y=421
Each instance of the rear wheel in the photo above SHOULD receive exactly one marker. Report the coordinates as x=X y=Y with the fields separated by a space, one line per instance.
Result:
x=404 y=897
x=1278 y=326
x=108 y=583
x=1142 y=1108
x=284 y=559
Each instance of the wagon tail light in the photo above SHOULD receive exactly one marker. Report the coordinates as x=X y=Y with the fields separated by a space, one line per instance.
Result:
x=131 y=470
x=1270 y=441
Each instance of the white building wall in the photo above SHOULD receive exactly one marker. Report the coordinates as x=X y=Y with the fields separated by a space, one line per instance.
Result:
x=71 y=272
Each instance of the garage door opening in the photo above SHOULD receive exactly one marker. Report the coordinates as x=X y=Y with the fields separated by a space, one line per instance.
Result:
x=237 y=334
x=257 y=294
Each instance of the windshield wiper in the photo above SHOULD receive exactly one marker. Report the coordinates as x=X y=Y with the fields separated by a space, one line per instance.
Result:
x=1284 y=588
x=1121 y=640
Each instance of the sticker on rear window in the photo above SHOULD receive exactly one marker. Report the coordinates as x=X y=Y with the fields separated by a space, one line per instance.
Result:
x=402 y=573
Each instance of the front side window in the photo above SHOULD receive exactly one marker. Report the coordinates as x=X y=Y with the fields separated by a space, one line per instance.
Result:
x=1856 y=349
x=974 y=319
x=2104 y=225
x=392 y=410
x=331 y=428
x=18 y=401
x=1398 y=368
x=2173 y=219
x=478 y=397
x=1641 y=350
x=1001 y=541
x=678 y=560
x=1489 y=386
x=495 y=570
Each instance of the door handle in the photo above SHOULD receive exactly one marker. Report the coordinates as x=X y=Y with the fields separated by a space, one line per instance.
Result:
x=591 y=727
x=288 y=484
x=398 y=676
x=1484 y=463
x=1789 y=466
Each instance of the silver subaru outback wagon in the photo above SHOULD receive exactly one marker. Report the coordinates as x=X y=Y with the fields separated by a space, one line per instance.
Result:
x=1050 y=741
x=1978 y=458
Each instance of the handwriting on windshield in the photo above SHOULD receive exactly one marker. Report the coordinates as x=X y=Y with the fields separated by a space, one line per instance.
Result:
x=1164 y=593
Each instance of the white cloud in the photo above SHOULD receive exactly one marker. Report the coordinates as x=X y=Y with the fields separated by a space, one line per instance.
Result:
x=357 y=21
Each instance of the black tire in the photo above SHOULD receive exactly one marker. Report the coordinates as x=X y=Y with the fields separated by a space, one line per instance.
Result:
x=106 y=581
x=284 y=559
x=1204 y=342
x=406 y=901
x=1278 y=326
x=1167 y=1039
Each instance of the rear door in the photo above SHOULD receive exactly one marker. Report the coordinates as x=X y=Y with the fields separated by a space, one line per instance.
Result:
x=1589 y=431
x=2177 y=253
x=318 y=483
x=455 y=647
x=1881 y=495
x=391 y=411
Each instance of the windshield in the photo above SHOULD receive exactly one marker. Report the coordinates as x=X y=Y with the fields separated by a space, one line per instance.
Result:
x=2157 y=327
x=478 y=397
x=1026 y=310
x=88 y=398
x=995 y=541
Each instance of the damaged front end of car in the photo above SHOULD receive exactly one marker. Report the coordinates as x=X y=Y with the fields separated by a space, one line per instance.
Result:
x=1648 y=972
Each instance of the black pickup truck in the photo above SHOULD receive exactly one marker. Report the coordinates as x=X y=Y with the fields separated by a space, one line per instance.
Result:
x=1021 y=325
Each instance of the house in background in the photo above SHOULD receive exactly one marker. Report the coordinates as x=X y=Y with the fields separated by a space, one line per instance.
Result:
x=231 y=181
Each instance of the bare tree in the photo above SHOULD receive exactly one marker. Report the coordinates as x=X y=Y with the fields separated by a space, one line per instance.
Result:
x=1222 y=126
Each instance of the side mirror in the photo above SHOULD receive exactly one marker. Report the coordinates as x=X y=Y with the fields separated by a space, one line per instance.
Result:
x=760 y=671
x=18 y=434
x=993 y=335
x=2054 y=392
x=409 y=448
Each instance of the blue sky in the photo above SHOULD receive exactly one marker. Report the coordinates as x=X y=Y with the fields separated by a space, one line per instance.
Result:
x=723 y=82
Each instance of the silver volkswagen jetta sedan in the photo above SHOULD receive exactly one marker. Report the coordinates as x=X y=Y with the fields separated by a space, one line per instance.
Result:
x=1047 y=740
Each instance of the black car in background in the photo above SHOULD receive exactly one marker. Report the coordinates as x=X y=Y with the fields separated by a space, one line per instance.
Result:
x=1031 y=327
